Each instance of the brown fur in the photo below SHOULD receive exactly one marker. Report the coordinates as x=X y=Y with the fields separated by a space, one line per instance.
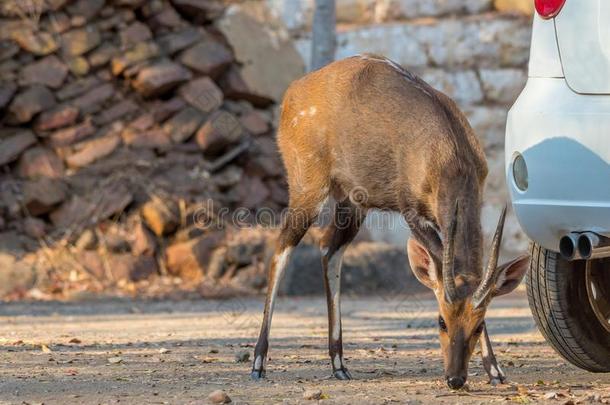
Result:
x=410 y=149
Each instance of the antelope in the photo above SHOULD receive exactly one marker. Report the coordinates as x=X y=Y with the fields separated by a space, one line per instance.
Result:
x=366 y=124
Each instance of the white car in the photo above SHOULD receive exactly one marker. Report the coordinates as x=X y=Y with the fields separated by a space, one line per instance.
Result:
x=558 y=175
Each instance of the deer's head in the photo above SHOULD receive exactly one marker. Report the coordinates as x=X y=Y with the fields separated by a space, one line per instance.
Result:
x=462 y=299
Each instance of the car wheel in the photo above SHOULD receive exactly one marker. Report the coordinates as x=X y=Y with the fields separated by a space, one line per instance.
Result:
x=570 y=301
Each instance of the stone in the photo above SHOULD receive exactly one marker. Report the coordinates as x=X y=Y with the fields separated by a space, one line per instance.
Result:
x=367 y=266
x=8 y=49
x=190 y=259
x=254 y=47
x=409 y=9
x=58 y=117
x=135 y=33
x=102 y=55
x=36 y=42
x=254 y=123
x=243 y=356
x=244 y=246
x=228 y=177
x=162 y=110
x=312 y=395
x=503 y=85
x=79 y=41
x=93 y=100
x=202 y=94
x=143 y=122
x=198 y=11
x=168 y=17
x=279 y=192
x=12 y=146
x=155 y=138
x=87 y=9
x=78 y=65
x=219 y=397
x=126 y=266
x=7 y=91
x=488 y=123
x=462 y=86
x=208 y=57
x=40 y=162
x=86 y=241
x=140 y=52
x=265 y=161
x=177 y=41
x=40 y=196
x=142 y=241
x=129 y=3
x=49 y=71
x=235 y=88
x=71 y=135
x=30 y=102
x=77 y=87
x=34 y=227
x=217 y=264
x=161 y=216
x=56 y=22
x=520 y=6
x=17 y=276
x=252 y=192
x=115 y=112
x=220 y=130
x=89 y=151
x=109 y=200
x=184 y=124
x=160 y=78
x=76 y=211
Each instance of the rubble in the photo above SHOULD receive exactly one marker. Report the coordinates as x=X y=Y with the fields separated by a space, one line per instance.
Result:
x=138 y=138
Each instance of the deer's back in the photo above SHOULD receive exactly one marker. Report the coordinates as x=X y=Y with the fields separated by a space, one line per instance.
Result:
x=365 y=122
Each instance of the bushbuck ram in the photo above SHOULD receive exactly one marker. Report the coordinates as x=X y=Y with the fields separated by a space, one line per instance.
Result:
x=369 y=134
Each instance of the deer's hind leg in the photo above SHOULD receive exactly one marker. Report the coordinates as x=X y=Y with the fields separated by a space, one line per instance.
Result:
x=342 y=230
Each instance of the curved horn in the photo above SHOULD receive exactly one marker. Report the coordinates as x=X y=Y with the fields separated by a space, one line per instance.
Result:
x=448 y=259
x=488 y=283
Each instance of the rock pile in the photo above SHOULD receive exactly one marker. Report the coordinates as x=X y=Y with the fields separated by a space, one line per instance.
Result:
x=131 y=132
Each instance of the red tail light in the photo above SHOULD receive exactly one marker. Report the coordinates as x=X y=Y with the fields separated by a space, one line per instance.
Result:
x=549 y=8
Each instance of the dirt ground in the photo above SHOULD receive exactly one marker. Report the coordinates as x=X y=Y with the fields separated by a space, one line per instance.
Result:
x=165 y=352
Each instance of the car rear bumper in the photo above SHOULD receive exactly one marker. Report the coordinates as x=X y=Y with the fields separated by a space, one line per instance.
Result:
x=564 y=138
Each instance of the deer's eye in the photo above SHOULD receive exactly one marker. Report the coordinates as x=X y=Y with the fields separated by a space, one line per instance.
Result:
x=441 y=324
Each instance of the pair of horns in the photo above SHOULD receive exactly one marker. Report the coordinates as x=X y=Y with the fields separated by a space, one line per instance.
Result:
x=491 y=273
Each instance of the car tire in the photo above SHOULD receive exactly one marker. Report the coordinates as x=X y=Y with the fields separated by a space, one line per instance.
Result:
x=557 y=294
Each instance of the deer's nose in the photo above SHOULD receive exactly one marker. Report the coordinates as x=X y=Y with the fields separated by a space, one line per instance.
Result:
x=455 y=383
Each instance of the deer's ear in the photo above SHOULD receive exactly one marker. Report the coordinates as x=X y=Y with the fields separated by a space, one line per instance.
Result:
x=422 y=264
x=510 y=275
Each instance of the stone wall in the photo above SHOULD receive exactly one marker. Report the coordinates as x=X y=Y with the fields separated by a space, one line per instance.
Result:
x=476 y=51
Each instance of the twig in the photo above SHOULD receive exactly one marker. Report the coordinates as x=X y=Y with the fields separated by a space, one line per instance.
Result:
x=229 y=156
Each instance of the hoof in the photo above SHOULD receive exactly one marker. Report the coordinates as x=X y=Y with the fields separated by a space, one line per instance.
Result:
x=497 y=381
x=257 y=375
x=342 y=374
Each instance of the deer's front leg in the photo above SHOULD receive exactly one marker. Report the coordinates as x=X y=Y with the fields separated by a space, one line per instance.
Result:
x=496 y=375
x=336 y=238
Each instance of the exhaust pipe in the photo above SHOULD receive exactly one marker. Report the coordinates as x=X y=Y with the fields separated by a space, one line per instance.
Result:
x=568 y=247
x=593 y=246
